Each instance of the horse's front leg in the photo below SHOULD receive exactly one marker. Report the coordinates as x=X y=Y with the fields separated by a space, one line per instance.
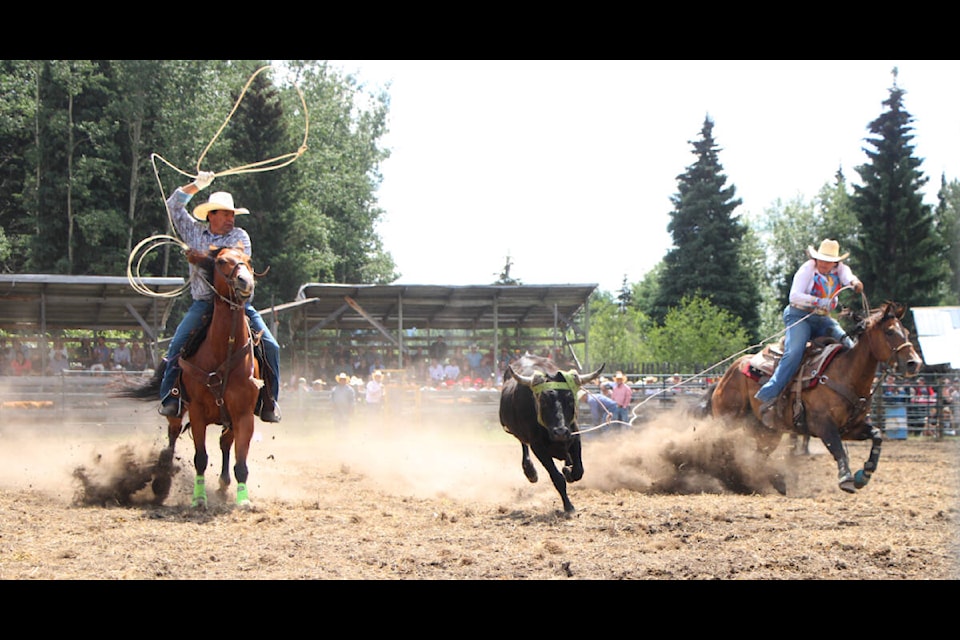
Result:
x=831 y=439
x=200 y=460
x=242 y=434
x=862 y=477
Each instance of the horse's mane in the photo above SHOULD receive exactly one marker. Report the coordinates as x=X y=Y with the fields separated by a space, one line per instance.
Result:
x=872 y=317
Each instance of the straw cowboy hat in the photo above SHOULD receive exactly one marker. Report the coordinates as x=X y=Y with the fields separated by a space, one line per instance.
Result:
x=219 y=201
x=342 y=376
x=619 y=376
x=829 y=251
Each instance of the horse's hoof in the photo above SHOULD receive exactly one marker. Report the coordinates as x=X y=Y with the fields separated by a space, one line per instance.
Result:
x=847 y=484
x=246 y=505
x=779 y=483
x=199 y=503
x=860 y=479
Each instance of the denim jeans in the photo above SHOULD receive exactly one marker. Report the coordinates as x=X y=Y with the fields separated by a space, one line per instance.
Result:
x=192 y=320
x=800 y=330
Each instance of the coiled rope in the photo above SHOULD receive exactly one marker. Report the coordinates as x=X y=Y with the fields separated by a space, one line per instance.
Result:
x=153 y=242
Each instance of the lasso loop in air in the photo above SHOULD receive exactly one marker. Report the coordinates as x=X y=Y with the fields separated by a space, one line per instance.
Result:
x=133 y=275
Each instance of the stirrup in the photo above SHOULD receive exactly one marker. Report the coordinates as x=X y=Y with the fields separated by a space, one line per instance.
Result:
x=270 y=414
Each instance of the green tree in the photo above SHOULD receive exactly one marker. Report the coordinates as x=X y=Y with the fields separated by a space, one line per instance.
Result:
x=947 y=222
x=616 y=335
x=899 y=256
x=705 y=259
x=697 y=332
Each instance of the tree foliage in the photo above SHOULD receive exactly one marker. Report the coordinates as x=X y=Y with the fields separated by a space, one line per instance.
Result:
x=89 y=149
x=898 y=253
x=695 y=332
x=706 y=257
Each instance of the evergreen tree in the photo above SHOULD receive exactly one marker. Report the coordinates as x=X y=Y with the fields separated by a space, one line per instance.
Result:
x=706 y=257
x=948 y=226
x=898 y=255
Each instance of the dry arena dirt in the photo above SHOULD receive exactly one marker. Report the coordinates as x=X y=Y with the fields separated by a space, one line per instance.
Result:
x=397 y=501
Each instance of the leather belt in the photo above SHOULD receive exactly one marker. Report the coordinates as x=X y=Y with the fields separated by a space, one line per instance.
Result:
x=816 y=310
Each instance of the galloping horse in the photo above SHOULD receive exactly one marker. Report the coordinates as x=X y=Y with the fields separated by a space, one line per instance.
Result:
x=220 y=381
x=833 y=404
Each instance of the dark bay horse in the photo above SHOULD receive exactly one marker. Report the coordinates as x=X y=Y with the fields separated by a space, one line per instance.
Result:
x=220 y=381
x=833 y=406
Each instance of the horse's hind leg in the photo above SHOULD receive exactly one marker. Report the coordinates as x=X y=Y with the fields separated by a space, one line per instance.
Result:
x=226 y=442
x=834 y=445
x=163 y=472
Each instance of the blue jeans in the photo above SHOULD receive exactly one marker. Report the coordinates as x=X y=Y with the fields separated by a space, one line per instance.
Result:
x=795 y=343
x=192 y=320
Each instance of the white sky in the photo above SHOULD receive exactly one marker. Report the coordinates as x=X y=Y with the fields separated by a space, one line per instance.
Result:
x=568 y=166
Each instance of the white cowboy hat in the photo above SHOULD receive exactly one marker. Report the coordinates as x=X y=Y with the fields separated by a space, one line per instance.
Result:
x=829 y=251
x=219 y=201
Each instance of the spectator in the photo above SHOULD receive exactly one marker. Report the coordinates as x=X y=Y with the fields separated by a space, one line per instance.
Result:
x=438 y=350
x=922 y=396
x=375 y=393
x=436 y=372
x=85 y=353
x=121 y=355
x=58 y=362
x=451 y=370
x=138 y=356
x=474 y=358
x=622 y=394
x=101 y=355
x=58 y=347
x=344 y=400
x=602 y=406
x=21 y=365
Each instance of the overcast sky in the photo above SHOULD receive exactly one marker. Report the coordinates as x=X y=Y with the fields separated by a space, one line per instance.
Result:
x=568 y=166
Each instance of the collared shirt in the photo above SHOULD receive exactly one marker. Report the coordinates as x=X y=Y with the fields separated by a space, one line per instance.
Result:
x=197 y=235
x=809 y=285
x=622 y=394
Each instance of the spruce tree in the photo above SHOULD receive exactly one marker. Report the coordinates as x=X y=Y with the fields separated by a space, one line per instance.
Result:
x=707 y=242
x=898 y=255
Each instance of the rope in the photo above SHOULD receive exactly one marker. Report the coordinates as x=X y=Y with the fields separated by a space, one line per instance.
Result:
x=133 y=275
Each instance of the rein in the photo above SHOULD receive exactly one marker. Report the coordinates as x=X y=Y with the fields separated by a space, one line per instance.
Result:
x=217 y=380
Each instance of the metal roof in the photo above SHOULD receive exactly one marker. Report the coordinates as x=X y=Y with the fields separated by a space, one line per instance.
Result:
x=437 y=307
x=47 y=302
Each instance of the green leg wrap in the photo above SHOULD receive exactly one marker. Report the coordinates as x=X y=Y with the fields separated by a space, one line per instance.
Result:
x=243 y=498
x=199 y=492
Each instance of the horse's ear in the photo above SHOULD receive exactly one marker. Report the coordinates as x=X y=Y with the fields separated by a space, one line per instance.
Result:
x=213 y=250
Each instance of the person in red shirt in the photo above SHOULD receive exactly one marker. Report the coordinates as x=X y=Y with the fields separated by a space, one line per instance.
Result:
x=21 y=365
x=622 y=394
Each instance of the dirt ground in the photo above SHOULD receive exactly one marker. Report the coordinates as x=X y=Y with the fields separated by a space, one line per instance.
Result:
x=450 y=502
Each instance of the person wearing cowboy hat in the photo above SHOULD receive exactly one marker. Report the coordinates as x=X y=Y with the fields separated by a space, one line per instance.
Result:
x=344 y=400
x=813 y=294
x=212 y=224
x=622 y=394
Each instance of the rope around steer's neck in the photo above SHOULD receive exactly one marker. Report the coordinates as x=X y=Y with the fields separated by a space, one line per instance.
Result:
x=569 y=383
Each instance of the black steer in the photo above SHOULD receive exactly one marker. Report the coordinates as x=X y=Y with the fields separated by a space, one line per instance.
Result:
x=538 y=405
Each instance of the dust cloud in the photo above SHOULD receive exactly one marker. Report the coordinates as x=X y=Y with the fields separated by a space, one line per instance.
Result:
x=114 y=463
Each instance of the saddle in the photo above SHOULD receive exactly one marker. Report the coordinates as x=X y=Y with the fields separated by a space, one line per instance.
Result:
x=196 y=339
x=817 y=356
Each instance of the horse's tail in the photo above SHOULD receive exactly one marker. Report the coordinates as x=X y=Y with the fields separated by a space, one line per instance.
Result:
x=149 y=390
x=704 y=406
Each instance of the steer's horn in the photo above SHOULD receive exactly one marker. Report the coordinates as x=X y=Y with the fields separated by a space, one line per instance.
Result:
x=590 y=377
x=527 y=381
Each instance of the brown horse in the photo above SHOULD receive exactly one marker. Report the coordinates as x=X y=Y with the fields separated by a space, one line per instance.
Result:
x=220 y=381
x=833 y=406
